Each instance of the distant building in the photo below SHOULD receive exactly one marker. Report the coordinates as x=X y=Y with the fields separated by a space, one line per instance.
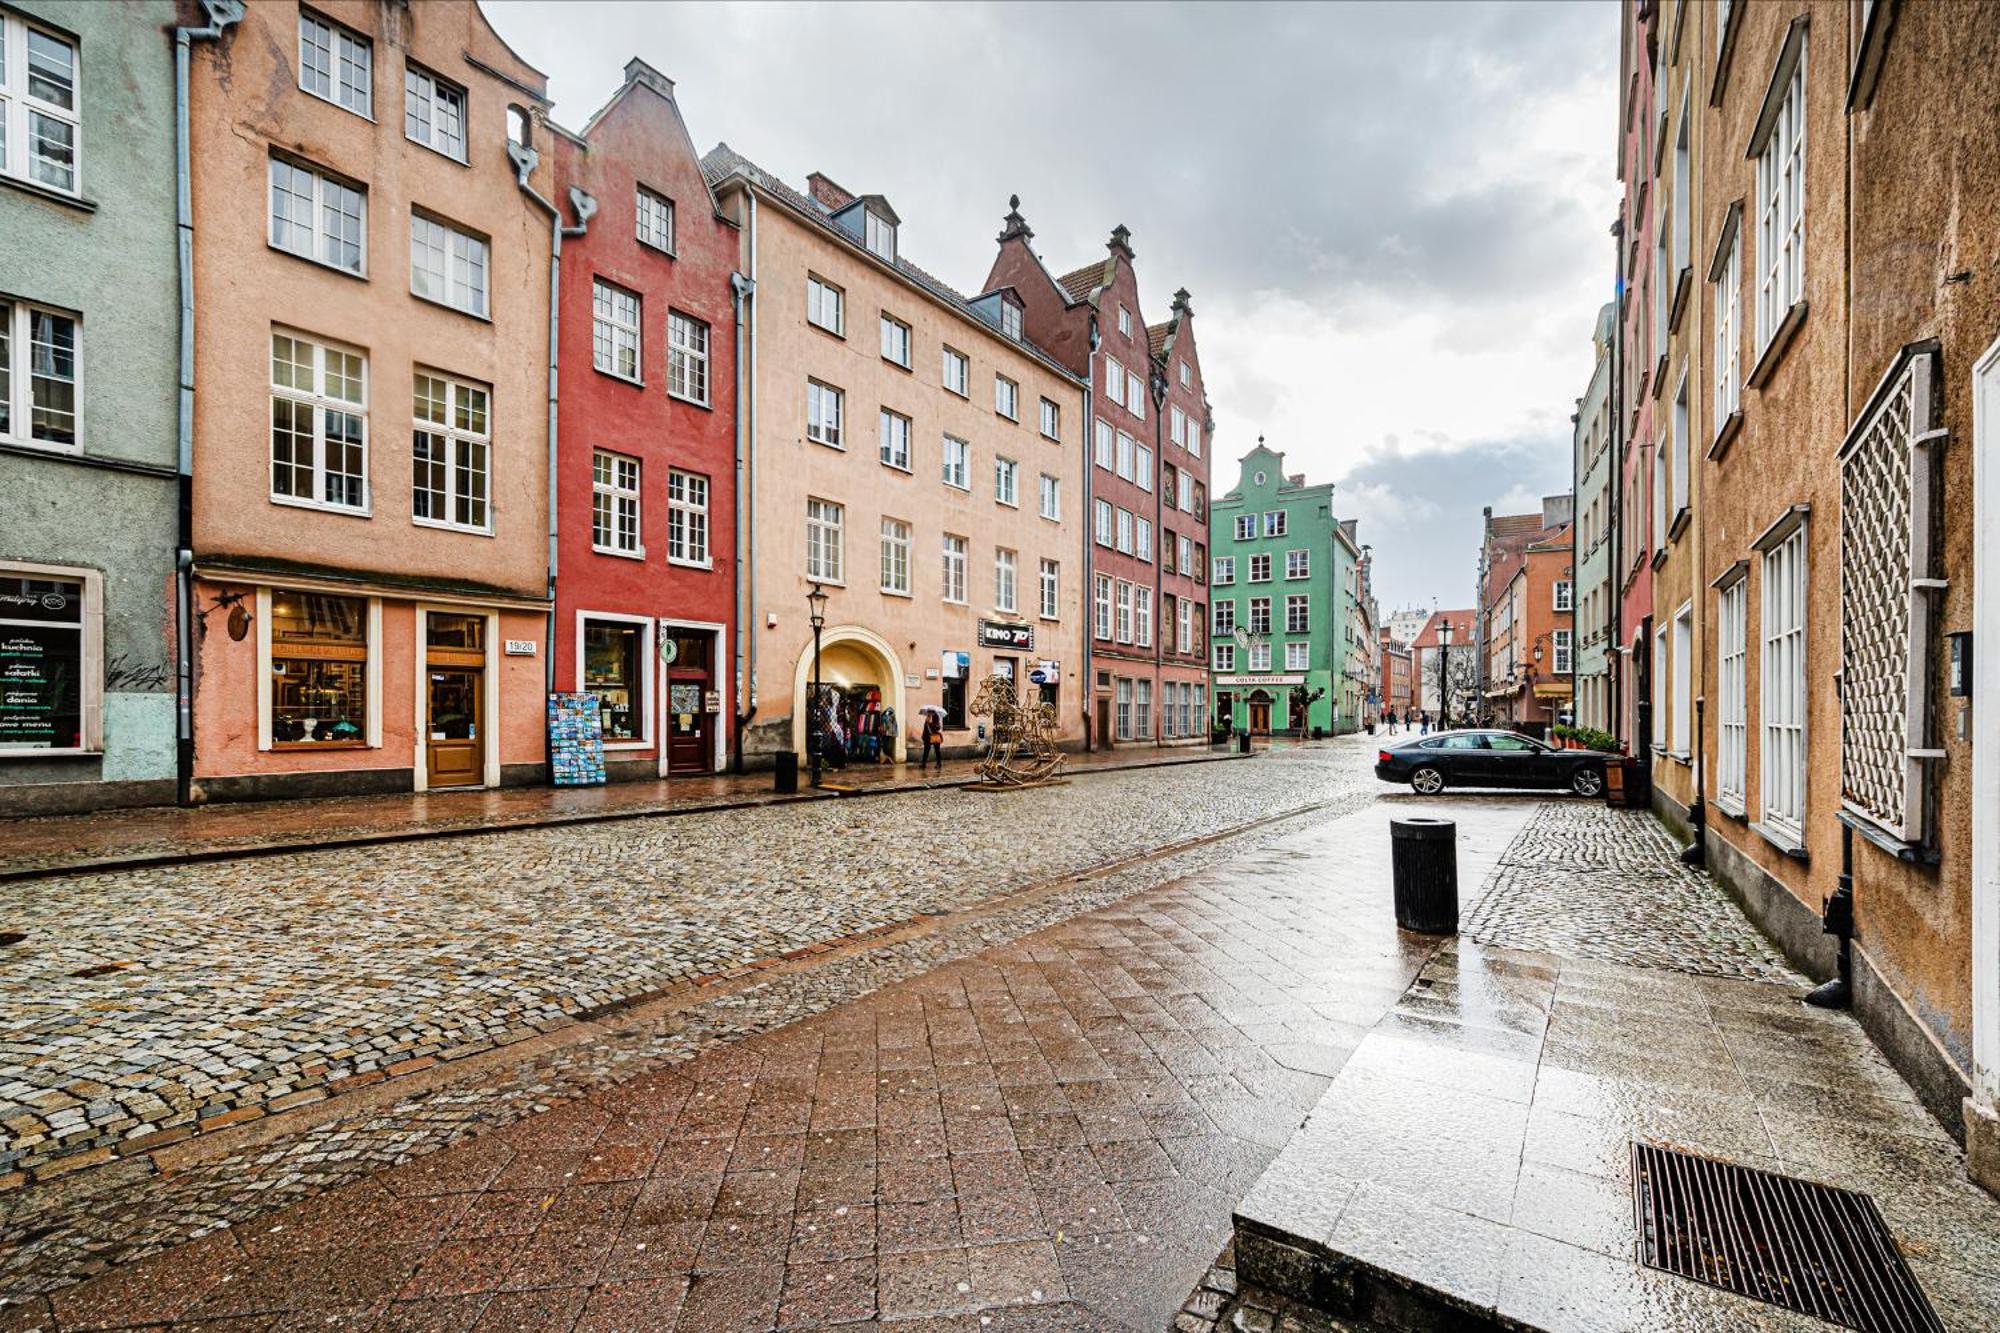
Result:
x=1595 y=596
x=1398 y=688
x=1444 y=661
x=1404 y=625
x=1504 y=609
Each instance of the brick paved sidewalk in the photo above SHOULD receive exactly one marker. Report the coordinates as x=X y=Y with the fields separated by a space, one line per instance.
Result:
x=1049 y=1134
x=166 y=835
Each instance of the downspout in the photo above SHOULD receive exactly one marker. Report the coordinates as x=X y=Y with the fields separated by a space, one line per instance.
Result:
x=1157 y=386
x=1091 y=740
x=221 y=14
x=525 y=160
x=745 y=289
x=1615 y=613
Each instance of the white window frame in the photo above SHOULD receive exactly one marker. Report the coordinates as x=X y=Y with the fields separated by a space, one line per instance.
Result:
x=956 y=372
x=1246 y=527
x=1298 y=655
x=826 y=305
x=1298 y=613
x=1105 y=449
x=898 y=341
x=1298 y=564
x=1006 y=397
x=90 y=665
x=1124 y=611
x=1782 y=676
x=1142 y=468
x=1125 y=532
x=1142 y=616
x=1565 y=595
x=956 y=467
x=1276 y=521
x=1050 y=583
x=1564 y=656
x=1142 y=538
x=897 y=537
x=1006 y=482
x=826 y=414
x=893 y=444
x=1778 y=145
x=826 y=541
x=1135 y=395
x=371 y=673
x=1223 y=615
x=1101 y=522
x=1260 y=657
x=328 y=192
x=460 y=444
x=688 y=528
x=1114 y=380
x=617 y=497
x=1101 y=606
x=1006 y=579
x=465 y=278
x=1259 y=621
x=1732 y=712
x=687 y=358
x=17 y=375
x=1683 y=460
x=1050 y=497
x=653 y=218
x=878 y=234
x=1260 y=567
x=1659 y=689
x=612 y=330
x=1051 y=420
x=1727 y=301
x=1225 y=655
x=321 y=402
x=1010 y=320
x=1225 y=571
x=341 y=45
x=648 y=686
x=953 y=551
x=434 y=95
x=19 y=109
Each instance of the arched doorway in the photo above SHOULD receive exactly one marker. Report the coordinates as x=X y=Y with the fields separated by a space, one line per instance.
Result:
x=853 y=663
x=1260 y=713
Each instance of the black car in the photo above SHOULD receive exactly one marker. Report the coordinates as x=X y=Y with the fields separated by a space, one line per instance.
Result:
x=1490 y=759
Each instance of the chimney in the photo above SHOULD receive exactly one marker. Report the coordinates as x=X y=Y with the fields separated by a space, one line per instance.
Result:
x=638 y=71
x=1121 y=240
x=1182 y=304
x=822 y=188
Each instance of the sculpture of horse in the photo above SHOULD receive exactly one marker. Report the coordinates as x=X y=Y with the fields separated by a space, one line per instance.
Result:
x=1021 y=748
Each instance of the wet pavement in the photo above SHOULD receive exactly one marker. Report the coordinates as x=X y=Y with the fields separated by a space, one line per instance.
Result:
x=1048 y=1131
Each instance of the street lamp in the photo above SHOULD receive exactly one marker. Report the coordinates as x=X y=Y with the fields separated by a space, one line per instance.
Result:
x=1444 y=663
x=815 y=715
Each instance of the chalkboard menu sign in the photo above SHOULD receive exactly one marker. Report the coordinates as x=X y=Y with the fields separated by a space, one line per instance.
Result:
x=576 y=740
x=41 y=664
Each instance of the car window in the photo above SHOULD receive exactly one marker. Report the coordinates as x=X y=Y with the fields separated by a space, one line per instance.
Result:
x=1460 y=743
x=1511 y=743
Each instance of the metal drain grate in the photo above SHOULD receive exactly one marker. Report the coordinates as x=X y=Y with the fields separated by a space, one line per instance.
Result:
x=1812 y=1248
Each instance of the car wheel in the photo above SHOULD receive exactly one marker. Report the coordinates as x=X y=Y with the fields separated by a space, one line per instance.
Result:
x=1587 y=781
x=1427 y=781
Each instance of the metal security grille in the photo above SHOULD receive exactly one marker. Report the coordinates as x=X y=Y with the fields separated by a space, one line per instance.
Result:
x=1788 y=1242
x=1885 y=631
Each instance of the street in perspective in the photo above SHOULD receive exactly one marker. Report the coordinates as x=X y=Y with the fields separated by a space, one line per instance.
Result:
x=1451 y=797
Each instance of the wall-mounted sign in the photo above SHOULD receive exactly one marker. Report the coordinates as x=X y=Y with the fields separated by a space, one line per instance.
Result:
x=670 y=647
x=995 y=634
x=930 y=673
x=41 y=664
x=954 y=665
x=520 y=647
x=910 y=679
x=712 y=701
x=1266 y=678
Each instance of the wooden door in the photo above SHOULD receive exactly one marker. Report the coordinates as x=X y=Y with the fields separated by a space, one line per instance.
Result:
x=689 y=745
x=1260 y=717
x=1103 y=723
x=452 y=754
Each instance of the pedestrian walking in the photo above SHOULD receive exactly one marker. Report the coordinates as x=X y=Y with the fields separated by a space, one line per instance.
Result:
x=933 y=740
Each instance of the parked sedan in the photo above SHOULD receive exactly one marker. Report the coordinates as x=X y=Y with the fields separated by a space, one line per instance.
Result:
x=1490 y=759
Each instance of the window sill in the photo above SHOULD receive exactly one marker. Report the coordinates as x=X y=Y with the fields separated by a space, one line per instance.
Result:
x=639 y=554
x=485 y=317
x=1774 y=351
x=1679 y=524
x=827 y=444
x=1726 y=436
x=614 y=375
x=1659 y=557
x=904 y=593
x=701 y=403
x=1784 y=840
x=11 y=755
x=1051 y=518
x=368 y=115
x=437 y=526
x=1913 y=853
x=433 y=148
x=1006 y=504
x=831 y=583
x=1052 y=439
x=628 y=745
x=1682 y=282
x=1005 y=417
x=902 y=366
x=662 y=250
x=964 y=487
x=296 y=747
x=1658 y=379
x=829 y=332
x=903 y=468
x=691 y=564
x=317 y=262
x=293 y=502
x=49 y=192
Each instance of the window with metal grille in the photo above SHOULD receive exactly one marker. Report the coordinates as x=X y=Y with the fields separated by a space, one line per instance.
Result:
x=1888 y=500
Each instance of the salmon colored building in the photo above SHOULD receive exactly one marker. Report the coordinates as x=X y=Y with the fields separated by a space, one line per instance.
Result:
x=645 y=477
x=371 y=512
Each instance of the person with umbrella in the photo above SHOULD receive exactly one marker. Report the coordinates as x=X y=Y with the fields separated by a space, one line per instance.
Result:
x=933 y=737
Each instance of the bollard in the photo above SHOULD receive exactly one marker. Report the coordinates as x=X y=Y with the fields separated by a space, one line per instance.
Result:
x=786 y=775
x=1243 y=742
x=1424 y=858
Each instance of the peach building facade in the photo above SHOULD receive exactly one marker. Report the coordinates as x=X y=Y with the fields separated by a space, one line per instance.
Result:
x=371 y=505
x=912 y=457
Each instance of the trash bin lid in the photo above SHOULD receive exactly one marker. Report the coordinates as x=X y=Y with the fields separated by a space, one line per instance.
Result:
x=1421 y=826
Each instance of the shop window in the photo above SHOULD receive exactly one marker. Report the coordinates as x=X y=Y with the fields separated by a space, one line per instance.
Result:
x=954 y=703
x=319 y=670
x=614 y=663
x=47 y=619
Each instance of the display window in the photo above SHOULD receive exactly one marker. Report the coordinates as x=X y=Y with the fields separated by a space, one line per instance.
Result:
x=319 y=670
x=614 y=662
x=46 y=686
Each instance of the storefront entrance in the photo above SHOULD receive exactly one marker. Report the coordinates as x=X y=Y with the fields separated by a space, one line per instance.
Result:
x=690 y=683
x=1260 y=713
x=455 y=662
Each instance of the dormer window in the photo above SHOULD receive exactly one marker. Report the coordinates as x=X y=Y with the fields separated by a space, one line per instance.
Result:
x=1010 y=320
x=880 y=235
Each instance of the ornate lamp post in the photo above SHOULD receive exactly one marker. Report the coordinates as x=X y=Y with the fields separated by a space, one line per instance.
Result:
x=1444 y=668
x=816 y=601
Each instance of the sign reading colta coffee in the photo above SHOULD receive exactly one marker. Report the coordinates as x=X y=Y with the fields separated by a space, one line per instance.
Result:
x=994 y=634
x=41 y=664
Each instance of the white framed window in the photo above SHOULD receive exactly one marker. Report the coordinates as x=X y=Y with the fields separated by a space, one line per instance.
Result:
x=451 y=447
x=1135 y=395
x=1732 y=713
x=687 y=357
x=1782 y=675
x=896 y=557
x=878 y=234
x=1225 y=656
x=1659 y=689
x=1051 y=420
x=1142 y=468
x=1224 y=614
x=318 y=217
x=1184 y=626
x=433 y=112
x=1142 y=539
x=337 y=64
x=894 y=448
x=1565 y=595
x=1185 y=560
x=1246 y=527
x=40 y=105
x=1006 y=398
x=614 y=330
x=1142 y=617
x=1260 y=657
x=957 y=463
x=1124 y=709
x=1683 y=184
x=687 y=518
x=1781 y=198
x=1106 y=451
x=1225 y=570
x=56 y=614
x=826 y=547
x=615 y=661
x=1010 y=320
x=957 y=373
x=1124 y=321
x=1260 y=568
x=447 y=265
x=1006 y=481
x=953 y=548
x=1142 y=708
x=655 y=218
x=1260 y=615
x=1298 y=656
x=1051 y=498
x=1185 y=483
x=1661 y=485
x=614 y=504
x=1101 y=605
x=1298 y=614
x=319 y=424
x=1177 y=430
x=1051 y=590
x=826 y=305
x=1004 y=577
x=895 y=341
x=1680 y=735
x=39 y=348
x=1128 y=450
x=1683 y=454
x=1194 y=437
x=1100 y=521
x=1124 y=611
x=1114 y=380
x=1125 y=531
x=1298 y=564
x=1187 y=376
x=826 y=412
x=1274 y=522
x=319 y=674
x=1728 y=306
x=1563 y=658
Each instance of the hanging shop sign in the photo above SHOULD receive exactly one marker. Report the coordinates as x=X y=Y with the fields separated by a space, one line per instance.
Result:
x=995 y=634
x=41 y=664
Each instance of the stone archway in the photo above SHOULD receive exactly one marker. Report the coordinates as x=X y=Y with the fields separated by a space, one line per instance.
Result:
x=851 y=656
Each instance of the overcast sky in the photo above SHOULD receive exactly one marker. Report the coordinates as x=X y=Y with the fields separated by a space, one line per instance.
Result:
x=1393 y=218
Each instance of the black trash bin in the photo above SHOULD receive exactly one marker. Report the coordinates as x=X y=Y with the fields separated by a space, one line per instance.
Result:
x=1243 y=742
x=786 y=777
x=1424 y=858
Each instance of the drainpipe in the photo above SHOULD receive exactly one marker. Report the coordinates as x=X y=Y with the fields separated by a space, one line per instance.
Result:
x=1157 y=386
x=1837 y=920
x=1091 y=740
x=525 y=160
x=745 y=288
x=1615 y=613
x=221 y=14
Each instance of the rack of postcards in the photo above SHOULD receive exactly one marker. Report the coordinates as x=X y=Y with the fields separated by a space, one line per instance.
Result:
x=576 y=740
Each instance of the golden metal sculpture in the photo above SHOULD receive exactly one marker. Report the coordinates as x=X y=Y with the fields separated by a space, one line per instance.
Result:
x=1021 y=749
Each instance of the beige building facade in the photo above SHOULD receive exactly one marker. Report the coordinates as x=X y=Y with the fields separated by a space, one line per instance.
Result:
x=911 y=457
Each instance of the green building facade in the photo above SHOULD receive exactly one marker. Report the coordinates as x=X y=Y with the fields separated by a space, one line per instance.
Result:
x=1276 y=604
